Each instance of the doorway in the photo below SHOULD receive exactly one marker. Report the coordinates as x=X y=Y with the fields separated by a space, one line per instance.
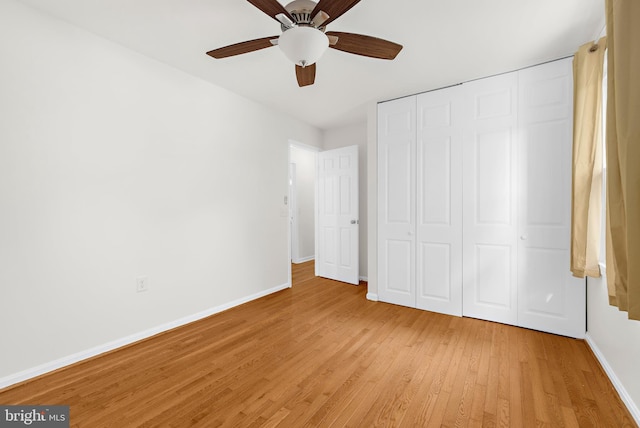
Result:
x=323 y=211
x=302 y=200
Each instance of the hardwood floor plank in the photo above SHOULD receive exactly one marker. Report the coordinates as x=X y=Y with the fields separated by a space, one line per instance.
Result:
x=491 y=400
x=319 y=355
x=516 y=403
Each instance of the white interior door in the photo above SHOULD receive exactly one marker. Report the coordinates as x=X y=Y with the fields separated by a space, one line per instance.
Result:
x=338 y=219
x=439 y=201
x=549 y=297
x=396 y=201
x=490 y=199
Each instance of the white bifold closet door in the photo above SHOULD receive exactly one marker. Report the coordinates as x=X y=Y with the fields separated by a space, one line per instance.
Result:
x=549 y=297
x=490 y=190
x=420 y=202
x=396 y=201
x=474 y=201
x=439 y=201
x=517 y=201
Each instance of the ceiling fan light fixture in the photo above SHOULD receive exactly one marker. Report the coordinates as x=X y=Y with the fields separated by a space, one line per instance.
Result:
x=303 y=45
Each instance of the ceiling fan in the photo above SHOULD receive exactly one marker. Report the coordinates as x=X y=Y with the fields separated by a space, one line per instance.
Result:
x=304 y=37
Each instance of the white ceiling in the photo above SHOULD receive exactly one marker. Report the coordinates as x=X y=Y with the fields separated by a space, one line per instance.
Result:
x=445 y=42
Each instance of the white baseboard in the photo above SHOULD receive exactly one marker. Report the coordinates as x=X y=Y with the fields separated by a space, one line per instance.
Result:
x=303 y=259
x=118 y=343
x=373 y=297
x=624 y=395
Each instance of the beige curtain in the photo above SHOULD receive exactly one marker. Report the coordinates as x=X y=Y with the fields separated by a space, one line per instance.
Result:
x=586 y=206
x=623 y=155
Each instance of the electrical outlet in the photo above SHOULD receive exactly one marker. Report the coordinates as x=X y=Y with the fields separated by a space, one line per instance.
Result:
x=142 y=284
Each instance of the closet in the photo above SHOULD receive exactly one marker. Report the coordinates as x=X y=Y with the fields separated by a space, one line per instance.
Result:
x=474 y=201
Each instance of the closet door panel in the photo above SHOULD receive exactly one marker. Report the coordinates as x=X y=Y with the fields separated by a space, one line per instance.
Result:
x=439 y=201
x=396 y=201
x=550 y=299
x=490 y=199
x=435 y=274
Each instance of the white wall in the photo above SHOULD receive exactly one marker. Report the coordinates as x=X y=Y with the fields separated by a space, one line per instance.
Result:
x=113 y=165
x=305 y=161
x=349 y=136
x=616 y=342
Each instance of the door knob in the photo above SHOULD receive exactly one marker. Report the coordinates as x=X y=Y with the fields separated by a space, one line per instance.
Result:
x=354 y=221
x=524 y=237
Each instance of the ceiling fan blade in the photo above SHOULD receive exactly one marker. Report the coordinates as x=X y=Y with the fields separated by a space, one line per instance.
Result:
x=306 y=75
x=271 y=8
x=333 y=8
x=242 y=47
x=360 y=44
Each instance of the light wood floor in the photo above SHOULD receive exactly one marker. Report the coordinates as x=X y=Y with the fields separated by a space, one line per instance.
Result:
x=320 y=354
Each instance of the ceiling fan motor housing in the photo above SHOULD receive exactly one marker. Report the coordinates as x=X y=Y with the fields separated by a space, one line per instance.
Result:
x=300 y=11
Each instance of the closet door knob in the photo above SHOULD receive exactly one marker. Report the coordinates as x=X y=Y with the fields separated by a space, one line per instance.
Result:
x=524 y=237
